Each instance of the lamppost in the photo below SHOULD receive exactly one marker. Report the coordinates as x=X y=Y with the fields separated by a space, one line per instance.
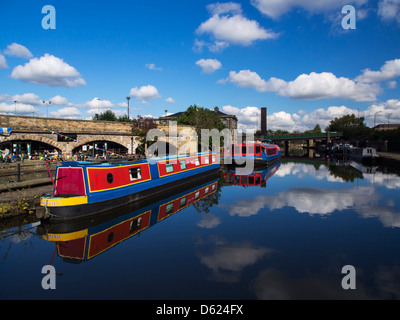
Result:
x=375 y=117
x=128 y=98
x=15 y=107
x=44 y=102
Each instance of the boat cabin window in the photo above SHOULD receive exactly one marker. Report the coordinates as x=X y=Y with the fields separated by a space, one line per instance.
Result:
x=243 y=149
x=169 y=167
x=237 y=150
x=135 y=174
x=251 y=150
x=183 y=202
x=110 y=178
x=197 y=195
x=237 y=179
x=197 y=161
x=258 y=180
x=206 y=190
x=243 y=179
x=213 y=158
x=183 y=164
x=213 y=187
x=258 y=149
x=206 y=160
x=251 y=180
x=170 y=208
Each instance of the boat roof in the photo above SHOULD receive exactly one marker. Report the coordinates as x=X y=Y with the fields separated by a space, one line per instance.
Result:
x=126 y=161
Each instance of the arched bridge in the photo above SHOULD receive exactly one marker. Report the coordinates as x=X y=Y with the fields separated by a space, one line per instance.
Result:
x=67 y=135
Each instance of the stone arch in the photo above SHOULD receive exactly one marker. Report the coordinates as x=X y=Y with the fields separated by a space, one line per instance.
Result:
x=91 y=140
x=33 y=137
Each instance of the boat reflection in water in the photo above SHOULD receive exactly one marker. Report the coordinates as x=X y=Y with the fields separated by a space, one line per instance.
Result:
x=259 y=177
x=81 y=239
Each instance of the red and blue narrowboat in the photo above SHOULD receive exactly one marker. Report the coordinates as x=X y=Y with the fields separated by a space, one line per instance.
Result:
x=260 y=153
x=84 y=188
x=79 y=240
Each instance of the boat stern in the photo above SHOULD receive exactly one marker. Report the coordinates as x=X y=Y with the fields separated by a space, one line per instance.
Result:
x=58 y=206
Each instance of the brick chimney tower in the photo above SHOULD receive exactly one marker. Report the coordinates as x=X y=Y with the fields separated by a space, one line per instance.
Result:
x=264 y=121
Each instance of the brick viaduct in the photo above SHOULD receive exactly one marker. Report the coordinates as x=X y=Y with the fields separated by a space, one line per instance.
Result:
x=44 y=130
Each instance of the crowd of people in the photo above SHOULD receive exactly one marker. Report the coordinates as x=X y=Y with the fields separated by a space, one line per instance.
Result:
x=8 y=157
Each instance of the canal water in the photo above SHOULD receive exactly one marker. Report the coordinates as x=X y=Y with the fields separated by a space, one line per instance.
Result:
x=294 y=230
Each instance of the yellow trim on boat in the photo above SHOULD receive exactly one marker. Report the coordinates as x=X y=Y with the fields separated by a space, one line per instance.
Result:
x=61 y=202
x=66 y=236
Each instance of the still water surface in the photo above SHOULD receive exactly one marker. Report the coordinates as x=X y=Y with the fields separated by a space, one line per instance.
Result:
x=284 y=233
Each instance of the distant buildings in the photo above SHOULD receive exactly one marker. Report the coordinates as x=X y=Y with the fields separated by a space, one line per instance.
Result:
x=383 y=126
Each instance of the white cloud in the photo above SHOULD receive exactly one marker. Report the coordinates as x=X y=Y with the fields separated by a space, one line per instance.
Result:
x=228 y=7
x=228 y=26
x=389 y=10
x=48 y=70
x=276 y=8
x=97 y=104
x=250 y=79
x=208 y=221
x=152 y=66
x=19 y=109
x=66 y=113
x=170 y=100
x=326 y=85
x=3 y=63
x=145 y=93
x=233 y=257
x=389 y=71
x=311 y=86
x=60 y=101
x=18 y=50
x=28 y=98
x=249 y=117
x=209 y=65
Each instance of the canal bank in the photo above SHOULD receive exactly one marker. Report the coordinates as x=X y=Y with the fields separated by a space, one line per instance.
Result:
x=389 y=159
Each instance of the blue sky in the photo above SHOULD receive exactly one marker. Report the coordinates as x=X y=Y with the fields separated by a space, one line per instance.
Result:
x=291 y=56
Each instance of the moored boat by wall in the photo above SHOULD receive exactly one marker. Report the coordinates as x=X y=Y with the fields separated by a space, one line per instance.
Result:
x=259 y=153
x=85 y=188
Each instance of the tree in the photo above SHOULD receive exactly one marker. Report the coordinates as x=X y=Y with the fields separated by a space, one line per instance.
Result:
x=106 y=116
x=350 y=125
x=317 y=129
x=202 y=118
x=142 y=125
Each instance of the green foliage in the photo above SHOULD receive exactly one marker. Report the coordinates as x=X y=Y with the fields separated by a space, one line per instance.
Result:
x=351 y=126
x=201 y=118
x=317 y=129
x=141 y=125
x=106 y=116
